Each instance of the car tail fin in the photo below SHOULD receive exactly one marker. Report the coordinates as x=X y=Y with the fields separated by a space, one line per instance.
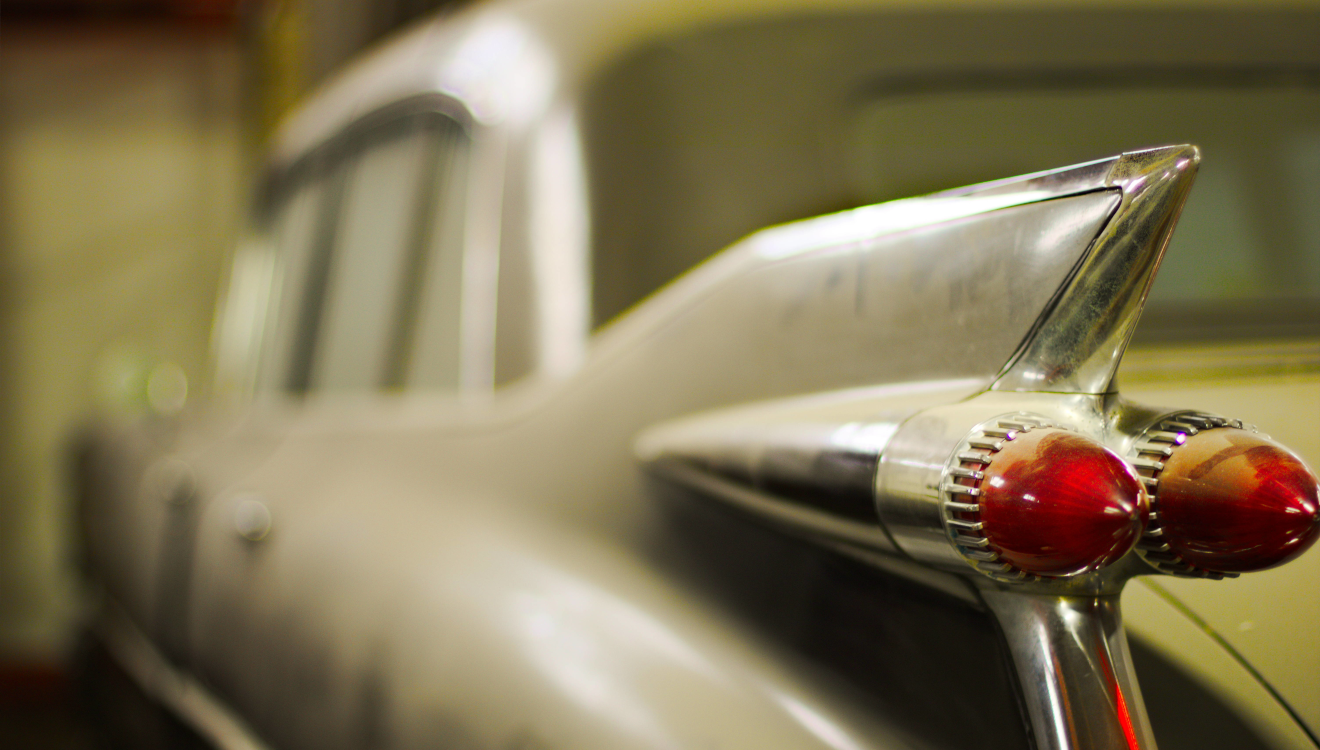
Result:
x=1079 y=339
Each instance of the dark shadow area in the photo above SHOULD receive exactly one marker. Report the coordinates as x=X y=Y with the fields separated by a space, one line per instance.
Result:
x=119 y=713
x=920 y=661
x=89 y=703
x=40 y=709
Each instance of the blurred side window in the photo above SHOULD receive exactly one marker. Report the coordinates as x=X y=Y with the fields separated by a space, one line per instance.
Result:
x=376 y=229
x=368 y=245
x=428 y=338
x=293 y=232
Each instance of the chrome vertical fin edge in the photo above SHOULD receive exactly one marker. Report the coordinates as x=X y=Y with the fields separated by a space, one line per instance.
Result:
x=1071 y=654
x=1079 y=340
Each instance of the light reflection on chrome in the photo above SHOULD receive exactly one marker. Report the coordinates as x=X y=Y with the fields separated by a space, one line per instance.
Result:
x=560 y=242
x=863 y=437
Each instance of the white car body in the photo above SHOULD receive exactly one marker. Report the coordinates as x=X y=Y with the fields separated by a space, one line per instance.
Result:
x=480 y=565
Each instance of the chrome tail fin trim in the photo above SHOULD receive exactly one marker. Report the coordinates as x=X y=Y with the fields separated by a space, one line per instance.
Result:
x=1080 y=338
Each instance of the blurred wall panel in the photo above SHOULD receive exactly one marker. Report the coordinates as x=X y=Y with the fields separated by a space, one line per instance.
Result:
x=121 y=160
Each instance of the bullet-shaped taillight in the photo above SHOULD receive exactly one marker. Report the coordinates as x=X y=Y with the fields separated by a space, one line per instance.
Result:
x=1043 y=501
x=1226 y=499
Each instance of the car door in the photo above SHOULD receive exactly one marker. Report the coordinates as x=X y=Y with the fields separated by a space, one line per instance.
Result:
x=370 y=307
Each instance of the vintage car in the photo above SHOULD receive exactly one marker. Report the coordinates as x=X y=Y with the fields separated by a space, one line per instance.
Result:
x=526 y=433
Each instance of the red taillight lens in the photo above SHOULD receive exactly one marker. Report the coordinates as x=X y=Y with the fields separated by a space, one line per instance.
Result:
x=1231 y=501
x=1055 y=503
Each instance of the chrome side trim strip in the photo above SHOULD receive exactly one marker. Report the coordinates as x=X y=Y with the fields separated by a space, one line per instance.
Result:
x=181 y=694
x=962 y=520
x=797 y=517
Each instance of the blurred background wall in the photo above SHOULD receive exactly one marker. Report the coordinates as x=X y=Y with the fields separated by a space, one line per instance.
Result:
x=122 y=166
x=130 y=135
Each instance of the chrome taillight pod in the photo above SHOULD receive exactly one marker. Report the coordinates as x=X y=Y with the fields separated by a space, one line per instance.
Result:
x=1028 y=495
x=1226 y=499
x=1029 y=504
x=1024 y=498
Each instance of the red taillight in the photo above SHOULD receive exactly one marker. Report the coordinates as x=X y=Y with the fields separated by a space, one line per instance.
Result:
x=1229 y=500
x=1054 y=503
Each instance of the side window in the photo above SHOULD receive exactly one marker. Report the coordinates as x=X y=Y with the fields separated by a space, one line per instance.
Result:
x=293 y=230
x=375 y=235
x=429 y=337
x=370 y=256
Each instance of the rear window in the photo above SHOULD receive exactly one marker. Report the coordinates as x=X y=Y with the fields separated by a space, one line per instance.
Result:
x=1245 y=259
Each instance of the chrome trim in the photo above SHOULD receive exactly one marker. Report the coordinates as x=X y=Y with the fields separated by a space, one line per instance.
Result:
x=964 y=534
x=808 y=462
x=184 y=696
x=1072 y=658
x=829 y=290
x=1065 y=634
x=801 y=518
x=916 y=493
x=1079 y=341
x=913 y=492
x=815 y=476
x=482 y=237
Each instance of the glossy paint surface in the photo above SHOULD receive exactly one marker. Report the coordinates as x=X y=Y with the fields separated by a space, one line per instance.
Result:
x=1234 y=501
x=1055 y=503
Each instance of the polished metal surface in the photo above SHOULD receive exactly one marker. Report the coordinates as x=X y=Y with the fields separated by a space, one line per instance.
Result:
x=800 y=518
x=802 y=461
x=810 y=306
x=806 y=463
x=1067 y=643
x=1065 y=635
x=1077 y=345
x=1072 y=659
x=829 y=467
x=977 y=450
x=914 y=468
